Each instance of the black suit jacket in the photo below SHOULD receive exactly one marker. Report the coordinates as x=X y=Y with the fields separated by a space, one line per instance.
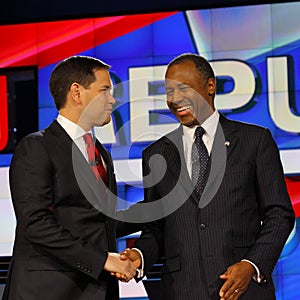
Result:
x=61 y=240
x=249 y=216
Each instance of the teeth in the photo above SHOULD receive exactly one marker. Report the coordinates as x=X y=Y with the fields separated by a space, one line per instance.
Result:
x=183 y=108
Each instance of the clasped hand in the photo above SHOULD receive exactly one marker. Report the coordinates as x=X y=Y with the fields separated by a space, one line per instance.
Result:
x=120 y=266
x=130 y=257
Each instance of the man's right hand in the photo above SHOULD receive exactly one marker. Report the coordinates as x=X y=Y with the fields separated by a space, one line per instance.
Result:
x=125 y=268
x=131 y=255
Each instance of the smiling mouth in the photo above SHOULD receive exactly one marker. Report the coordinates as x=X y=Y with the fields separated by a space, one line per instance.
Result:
x=183 y=108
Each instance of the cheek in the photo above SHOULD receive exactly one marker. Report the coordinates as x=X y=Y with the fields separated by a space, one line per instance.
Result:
x=169 y=103
x=99 y=103
x=200 y=101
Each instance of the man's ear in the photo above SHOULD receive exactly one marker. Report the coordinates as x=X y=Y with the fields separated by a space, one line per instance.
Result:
x=211 y=85
x=75 y=92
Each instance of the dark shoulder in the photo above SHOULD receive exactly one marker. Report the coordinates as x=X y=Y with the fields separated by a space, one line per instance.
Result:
x=169 y=138
x=39 y=136
x=246 y=128
x=36 y=139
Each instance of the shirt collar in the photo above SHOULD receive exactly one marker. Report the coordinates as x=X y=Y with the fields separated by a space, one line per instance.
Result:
x=209 y=125
x=72 y=129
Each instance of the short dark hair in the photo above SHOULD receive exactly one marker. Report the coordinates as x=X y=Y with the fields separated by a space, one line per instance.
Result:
x=201 y=64
x=80 y=69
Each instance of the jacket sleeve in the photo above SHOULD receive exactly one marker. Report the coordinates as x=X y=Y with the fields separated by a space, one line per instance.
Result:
x=276 y=211
x=151 y=241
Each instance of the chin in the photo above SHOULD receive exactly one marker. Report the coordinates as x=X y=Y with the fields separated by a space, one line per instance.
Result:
x=187 y=122
x=106 y=121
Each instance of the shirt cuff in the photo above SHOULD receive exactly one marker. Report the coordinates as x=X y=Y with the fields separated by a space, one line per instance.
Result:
x=140 y=270
x=257 y=276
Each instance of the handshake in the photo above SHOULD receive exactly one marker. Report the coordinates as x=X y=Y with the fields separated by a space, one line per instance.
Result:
x=123 y=265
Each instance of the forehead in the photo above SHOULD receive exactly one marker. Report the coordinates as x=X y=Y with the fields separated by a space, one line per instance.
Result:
x=185 y=72
x=103 y=77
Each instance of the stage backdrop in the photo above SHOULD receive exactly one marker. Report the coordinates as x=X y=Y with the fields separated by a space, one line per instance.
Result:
x=254 y=50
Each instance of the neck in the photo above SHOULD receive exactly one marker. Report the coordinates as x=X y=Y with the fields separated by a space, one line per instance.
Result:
x=75 y=119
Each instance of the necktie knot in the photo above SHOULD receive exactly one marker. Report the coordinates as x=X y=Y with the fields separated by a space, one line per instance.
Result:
x=88 y=140
x=199 y=132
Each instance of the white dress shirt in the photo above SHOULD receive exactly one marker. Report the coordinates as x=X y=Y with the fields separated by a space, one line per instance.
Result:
x=76 y=133
x=188 y=138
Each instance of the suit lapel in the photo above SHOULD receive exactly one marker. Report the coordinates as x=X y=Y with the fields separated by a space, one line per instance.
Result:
x=230 y=132
x=109 y=164
x=225 y=140
x=93 y=191
x=173 y=151
x=64 y=142
x=173 y=147
x=66 y=145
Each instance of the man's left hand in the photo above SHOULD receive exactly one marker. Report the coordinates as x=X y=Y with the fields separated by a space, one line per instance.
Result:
x=237 y=278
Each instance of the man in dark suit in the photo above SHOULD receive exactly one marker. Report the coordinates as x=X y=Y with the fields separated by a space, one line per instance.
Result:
x=235 y=215
x=64 y=246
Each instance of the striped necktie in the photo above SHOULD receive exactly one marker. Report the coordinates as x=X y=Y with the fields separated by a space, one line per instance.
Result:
x=94 y=159
x=200 y=160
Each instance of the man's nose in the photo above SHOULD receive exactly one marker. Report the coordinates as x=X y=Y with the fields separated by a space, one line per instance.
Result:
x=177 y=96
x=112 y=100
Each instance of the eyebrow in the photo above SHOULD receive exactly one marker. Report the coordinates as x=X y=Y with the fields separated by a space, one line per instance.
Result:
x=183 y=83
x=105 y=86
x=179 y=85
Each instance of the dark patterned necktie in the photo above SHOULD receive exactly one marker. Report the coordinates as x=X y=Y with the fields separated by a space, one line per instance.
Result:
x=94 y=159
x=200 y=159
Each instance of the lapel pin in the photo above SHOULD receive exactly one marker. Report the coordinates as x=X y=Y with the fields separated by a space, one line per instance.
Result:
x=227 y=143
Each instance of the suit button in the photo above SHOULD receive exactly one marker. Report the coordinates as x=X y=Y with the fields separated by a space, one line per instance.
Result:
x=202 y=226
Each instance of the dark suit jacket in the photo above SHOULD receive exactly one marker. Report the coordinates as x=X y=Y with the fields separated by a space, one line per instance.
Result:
x=249 y=216
x=61 y=239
